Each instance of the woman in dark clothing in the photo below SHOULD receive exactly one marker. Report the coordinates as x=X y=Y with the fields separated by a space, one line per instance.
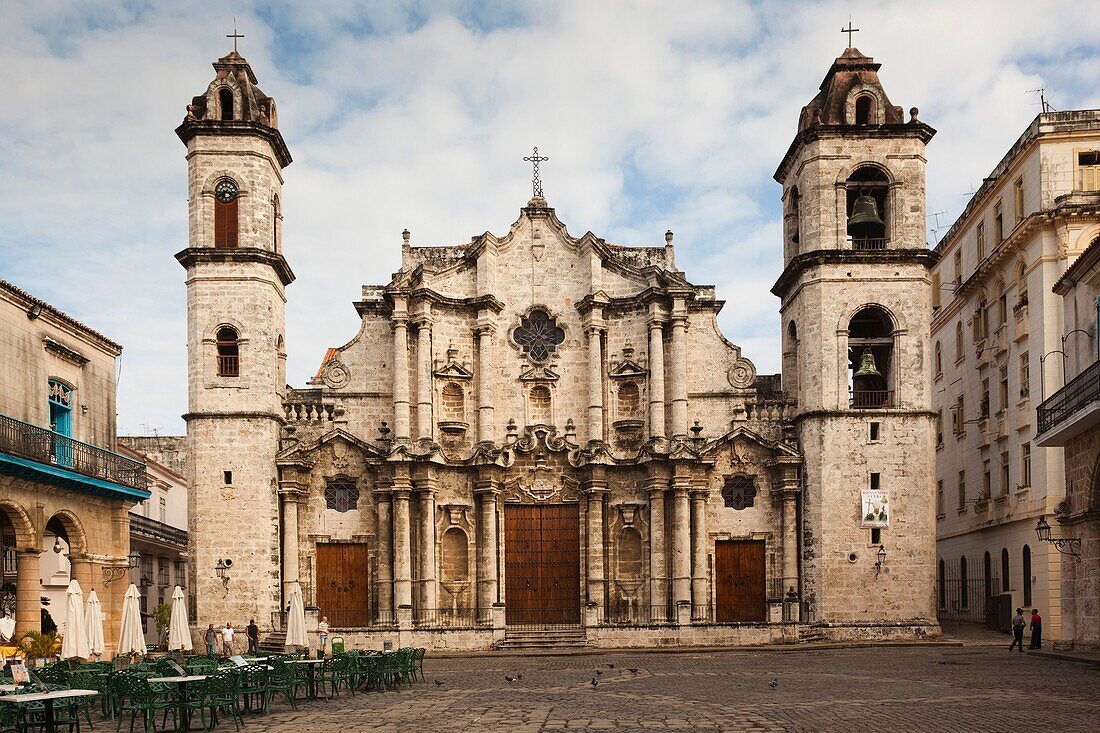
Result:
x=1036 y=630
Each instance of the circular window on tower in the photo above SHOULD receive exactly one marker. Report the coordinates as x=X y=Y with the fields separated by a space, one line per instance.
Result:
x=226 y=190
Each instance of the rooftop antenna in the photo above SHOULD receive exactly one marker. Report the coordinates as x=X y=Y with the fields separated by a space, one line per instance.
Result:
x=936 y=229
x=1042 y=92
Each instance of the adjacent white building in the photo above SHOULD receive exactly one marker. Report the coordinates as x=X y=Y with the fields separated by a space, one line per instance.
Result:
x=999 y=339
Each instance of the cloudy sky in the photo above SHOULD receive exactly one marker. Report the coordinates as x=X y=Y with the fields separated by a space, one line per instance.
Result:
x=656 y=115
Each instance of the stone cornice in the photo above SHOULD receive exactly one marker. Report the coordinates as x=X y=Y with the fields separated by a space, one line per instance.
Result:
x=236 y=128
x=823 y=132
x=196 y=255
x=797 y=265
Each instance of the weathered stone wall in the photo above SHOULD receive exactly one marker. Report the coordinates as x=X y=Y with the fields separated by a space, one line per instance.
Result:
x=1079 y=517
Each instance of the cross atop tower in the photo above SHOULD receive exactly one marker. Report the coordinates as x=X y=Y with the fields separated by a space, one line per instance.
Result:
x=534 y=159
x=234 y=35
x=848 y=30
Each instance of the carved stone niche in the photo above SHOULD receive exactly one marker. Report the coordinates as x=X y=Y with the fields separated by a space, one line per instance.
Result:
x=456 y=555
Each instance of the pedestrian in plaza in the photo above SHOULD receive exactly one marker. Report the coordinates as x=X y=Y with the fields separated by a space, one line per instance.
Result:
x=227 y=640
x=1018 y=625
x=211 y=638
x=322 y=632
x=253 y=632
x=1036 y=630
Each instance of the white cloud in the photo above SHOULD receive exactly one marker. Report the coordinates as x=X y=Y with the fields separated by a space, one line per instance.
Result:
x=655 y=115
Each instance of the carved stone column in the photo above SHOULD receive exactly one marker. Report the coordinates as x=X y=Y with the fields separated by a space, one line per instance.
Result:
x=487 y=492
x=402 y=542
x=424 y=425
x=384 y=573
x=28 y=591
x=595 y=383
x=700 y=595
x=485 y=425
x=792 y=487
x=428 y=590
x=400 y=370
x=656 y=379
x=681 y=541
x=291 y=568
x=658 y=573
x=678 y=362
x=596 y=493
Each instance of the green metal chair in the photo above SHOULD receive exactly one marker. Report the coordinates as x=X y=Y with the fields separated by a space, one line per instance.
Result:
x=283 y=680
x=217 y=694
x=418 y=660
x=252 y=683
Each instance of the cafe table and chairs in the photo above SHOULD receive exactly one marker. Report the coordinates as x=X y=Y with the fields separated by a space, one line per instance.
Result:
x=29 y=702
x=310 y=666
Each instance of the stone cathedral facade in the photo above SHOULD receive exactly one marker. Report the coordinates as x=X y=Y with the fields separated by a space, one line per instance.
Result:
x=539 y=437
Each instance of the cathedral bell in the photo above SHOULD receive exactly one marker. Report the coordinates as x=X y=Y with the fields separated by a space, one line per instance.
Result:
x=864 y=221
x=867 y=366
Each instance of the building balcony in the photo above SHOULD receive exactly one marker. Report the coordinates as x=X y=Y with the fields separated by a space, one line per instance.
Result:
x=871 y=399
x=1071 y=410
x=42 y=455
x=158 y=532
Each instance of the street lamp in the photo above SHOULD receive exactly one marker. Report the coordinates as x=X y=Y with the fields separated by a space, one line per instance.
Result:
x=881 y=562
x=222 y=571
x=117 y=572
x=1072 y=544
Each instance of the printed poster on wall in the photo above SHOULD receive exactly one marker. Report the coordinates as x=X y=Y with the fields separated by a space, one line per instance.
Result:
x=876 y=509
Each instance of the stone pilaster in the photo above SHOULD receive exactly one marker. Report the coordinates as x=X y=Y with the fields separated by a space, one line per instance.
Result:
x=487 y=492
x=400 y=370
x=384 y=576
x=656 y=376
x=485 y=424
x=424 y=425
x=658 y=569
x=596 y=495
x=289 y=493
x=678 y=364
x=792 y=487
x=700 y=595
x=595 y=383
x=429 y=591
x=402 y=542
x=681 y=540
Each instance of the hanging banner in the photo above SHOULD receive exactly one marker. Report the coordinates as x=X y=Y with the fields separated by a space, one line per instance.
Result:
x=876 y=509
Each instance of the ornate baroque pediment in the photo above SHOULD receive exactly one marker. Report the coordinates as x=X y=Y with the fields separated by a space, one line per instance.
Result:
x=542 y=485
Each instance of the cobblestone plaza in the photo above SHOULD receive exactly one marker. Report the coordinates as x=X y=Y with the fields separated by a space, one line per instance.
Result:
x=931 y=688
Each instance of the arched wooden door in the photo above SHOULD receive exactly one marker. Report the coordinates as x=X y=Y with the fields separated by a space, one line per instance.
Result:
x=739 y=586
x=343 y=588
x=542 y=564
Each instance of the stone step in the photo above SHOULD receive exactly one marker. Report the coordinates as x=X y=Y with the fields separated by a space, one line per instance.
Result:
x=274 y=642
x=543 y=639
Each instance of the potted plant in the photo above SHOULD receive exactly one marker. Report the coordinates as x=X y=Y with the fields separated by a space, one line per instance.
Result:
x=162 y=617
x=40 y=647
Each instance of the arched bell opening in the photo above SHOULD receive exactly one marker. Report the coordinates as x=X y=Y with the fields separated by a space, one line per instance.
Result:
x=867 y=208
x=870 y=359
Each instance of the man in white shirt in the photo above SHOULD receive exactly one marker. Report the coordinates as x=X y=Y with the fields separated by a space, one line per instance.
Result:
x=227 y=639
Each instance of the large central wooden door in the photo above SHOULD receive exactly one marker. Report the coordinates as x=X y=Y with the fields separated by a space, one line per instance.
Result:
x=739 y=581
x=542 y=564
x=343 y=588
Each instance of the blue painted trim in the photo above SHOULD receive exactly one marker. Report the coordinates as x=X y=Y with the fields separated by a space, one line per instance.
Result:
x=24 y=468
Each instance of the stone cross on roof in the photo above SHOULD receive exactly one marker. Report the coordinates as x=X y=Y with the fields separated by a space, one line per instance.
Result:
x=234 y=35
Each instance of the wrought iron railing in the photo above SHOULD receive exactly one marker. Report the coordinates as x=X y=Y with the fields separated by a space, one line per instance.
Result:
x=740 y=613
x=871 y=399
x=1078 y=392
x=361 y=618
x=866 y=243
x=229 y=365
x=151 y=528
x=449 y=618
x=45 y=446
x=550 y=617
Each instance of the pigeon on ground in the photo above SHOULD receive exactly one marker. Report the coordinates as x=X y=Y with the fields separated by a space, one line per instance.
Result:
x=595 y=682
x=611 y=666
x=632 y=670
x=510 y=678
x=599 y=672
x=774 y=683
x=438 y=683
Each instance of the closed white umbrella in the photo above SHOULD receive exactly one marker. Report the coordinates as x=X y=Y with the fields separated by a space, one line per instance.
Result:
x=296 y=623
x=131 y=639
x=75 y=642
x=179 y=635
x=93 y=624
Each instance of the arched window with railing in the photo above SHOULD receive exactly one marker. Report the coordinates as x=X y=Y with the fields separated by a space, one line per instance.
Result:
x=870 y=359
x=868 y=189
x=1006 y=584
x=228 y=347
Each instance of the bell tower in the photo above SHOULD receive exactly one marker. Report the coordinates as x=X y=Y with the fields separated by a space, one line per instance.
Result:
x=236 y=276
x=856 y=305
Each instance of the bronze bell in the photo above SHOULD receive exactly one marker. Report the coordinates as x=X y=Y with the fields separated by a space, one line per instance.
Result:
x=865 y=221
x=867 y=366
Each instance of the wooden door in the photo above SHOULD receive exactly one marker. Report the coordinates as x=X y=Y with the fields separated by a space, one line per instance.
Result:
x=343 y=588
x=739 y=581
x=542 y=564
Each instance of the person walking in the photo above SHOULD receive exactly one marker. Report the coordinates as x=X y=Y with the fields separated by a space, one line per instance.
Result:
x=1018 y=625
x=322 y=633
x=1036 y=630
x=253 y=632
x=211 y=638
x=227 y=640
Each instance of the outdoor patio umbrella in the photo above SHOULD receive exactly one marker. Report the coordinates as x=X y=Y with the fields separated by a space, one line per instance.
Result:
x=93 y=624
x=131 y=640
x=75 y=642
x=296 y=622
x=179 y=635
